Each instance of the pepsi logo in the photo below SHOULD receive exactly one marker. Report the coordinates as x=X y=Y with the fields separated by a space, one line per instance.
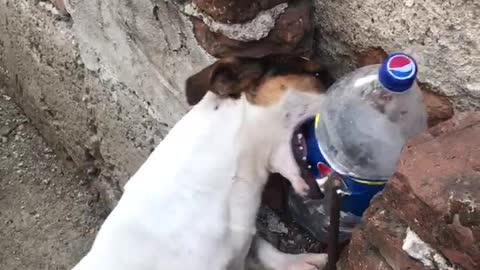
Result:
x=323 y=170
x=401 y=67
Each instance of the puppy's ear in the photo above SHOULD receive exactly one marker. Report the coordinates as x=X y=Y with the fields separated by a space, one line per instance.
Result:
x=292 y=63
x=197 y=85
x=288 y=64
x=228 y=77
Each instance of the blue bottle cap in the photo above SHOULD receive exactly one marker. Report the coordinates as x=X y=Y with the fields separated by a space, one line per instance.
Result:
x=398 y=72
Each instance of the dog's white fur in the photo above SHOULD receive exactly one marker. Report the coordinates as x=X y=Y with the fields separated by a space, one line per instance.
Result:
x=193 y=203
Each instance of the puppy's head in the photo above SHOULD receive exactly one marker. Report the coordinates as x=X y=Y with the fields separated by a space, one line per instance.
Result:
x=287 y=89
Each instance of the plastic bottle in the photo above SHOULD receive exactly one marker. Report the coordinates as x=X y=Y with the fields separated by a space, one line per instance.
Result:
x=360 y=130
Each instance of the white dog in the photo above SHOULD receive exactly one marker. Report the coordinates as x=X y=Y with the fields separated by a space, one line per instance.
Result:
x=193 y=203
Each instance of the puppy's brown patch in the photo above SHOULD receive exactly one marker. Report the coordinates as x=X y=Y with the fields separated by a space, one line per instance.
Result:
x=272 y=89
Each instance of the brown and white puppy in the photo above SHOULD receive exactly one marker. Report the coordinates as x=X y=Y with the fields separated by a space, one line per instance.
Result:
x=193 y=203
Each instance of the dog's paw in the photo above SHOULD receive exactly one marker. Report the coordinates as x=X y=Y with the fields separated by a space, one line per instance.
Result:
x=308 y=261
x=270 y=257
x=300 y=186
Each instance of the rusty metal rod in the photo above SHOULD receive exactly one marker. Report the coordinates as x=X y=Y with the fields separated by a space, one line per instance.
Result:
x=334 y=225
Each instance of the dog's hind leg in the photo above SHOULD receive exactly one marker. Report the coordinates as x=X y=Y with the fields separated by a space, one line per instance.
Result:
x=263 y=256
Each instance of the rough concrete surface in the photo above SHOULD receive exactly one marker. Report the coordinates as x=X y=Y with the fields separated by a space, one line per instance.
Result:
x=145 y=50
x=48 y=217
x=146 y=45
x=443 y=36
x=110 y=105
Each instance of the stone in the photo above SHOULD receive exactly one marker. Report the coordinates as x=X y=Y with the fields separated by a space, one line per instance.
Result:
x=253 y=30
x=424 y=253
x=6 y=130
x=292 y=33
x=428 y=213
x=233 y=11
x=361 y=255
x=386 y=232
x=447 y=188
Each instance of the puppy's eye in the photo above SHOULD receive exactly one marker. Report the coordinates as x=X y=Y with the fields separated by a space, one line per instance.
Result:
x=317 y=75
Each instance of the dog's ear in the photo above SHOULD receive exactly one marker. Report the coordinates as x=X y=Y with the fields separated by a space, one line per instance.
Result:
x=291 y=64
x=228 y=77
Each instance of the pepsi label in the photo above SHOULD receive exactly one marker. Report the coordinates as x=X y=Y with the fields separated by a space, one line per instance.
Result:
x=401 y=67
x=360 y=191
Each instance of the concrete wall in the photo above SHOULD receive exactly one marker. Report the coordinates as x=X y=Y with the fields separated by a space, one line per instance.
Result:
x=104 y=86
x=106 y=83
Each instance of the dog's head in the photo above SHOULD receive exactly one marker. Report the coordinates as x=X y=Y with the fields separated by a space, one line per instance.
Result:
x=286 y=89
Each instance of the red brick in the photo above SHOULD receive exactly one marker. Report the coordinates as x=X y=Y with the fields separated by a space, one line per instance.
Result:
x=438 y=182
x=292 y=33
x=439 y=107
x=370 y=56
x=386 y=232
x=361 y=255
x=435 y=192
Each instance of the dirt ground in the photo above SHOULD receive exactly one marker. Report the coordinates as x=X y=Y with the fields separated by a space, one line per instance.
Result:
x=48 y=217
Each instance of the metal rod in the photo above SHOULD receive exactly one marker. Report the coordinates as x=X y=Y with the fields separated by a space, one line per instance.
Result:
x=334 y=225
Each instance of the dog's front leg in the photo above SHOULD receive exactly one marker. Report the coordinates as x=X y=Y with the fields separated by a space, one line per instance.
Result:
x=263 y=256
x=283 y=162
x=239 y=261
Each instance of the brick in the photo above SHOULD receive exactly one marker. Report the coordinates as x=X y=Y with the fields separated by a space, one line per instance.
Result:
x=292 y=33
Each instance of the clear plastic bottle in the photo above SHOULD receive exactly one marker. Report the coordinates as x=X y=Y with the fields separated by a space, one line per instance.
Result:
x=359 y=133
x=369 y=115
